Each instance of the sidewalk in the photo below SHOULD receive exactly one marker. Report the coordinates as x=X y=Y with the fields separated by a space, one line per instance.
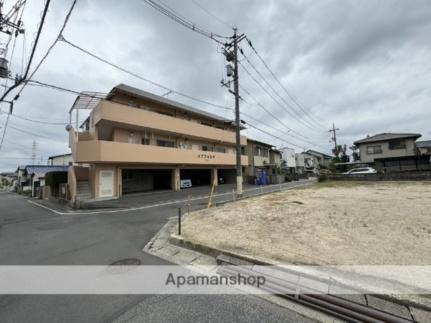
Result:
x=170 y=247
x=227 y=191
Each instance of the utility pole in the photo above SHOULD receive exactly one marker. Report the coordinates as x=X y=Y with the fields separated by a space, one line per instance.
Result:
x=231 y=53
x=237 y=117
x=334 y=137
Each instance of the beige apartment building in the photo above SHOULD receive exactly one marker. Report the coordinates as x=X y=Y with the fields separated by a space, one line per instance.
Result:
x=135 y=141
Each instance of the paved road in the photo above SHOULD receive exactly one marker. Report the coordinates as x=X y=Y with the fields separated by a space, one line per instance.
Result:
x=30 y=235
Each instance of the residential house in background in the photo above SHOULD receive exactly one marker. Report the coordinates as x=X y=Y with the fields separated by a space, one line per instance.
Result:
x=288 y=160
x=323 y=160
x=300 y=163
x=263 y=163
x=32 y=177
x=8 y=180
x=23 y=182
x=424 y=147
x=135 y=141
x=386 y=145
x=389 y=152
x=311 y=161
x=60 y=160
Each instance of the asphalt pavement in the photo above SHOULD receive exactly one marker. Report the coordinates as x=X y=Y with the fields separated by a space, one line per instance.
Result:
x=32 y=235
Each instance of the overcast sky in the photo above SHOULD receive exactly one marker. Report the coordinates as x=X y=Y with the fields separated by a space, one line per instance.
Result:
x=364 y=65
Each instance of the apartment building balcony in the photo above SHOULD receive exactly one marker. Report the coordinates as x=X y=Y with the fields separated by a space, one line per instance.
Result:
x=99 y=151
x=108 y=113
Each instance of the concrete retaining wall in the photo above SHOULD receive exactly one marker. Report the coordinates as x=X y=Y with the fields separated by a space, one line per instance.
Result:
x=399 y=176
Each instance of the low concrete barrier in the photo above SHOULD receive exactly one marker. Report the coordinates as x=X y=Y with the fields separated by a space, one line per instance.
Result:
x=395 y=176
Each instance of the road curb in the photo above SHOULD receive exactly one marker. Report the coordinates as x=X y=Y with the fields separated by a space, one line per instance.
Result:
x=241 y=260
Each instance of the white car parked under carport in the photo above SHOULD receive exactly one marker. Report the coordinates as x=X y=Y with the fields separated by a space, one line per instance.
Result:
x=360 y=171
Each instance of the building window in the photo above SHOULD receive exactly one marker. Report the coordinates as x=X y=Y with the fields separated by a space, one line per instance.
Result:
x=166 y=143
x=220 y=149
x=373 y=150
x=185 y=146
x=264 y=152
x=131 y=138
x=257 y=151
x=397 y=144
x=260 y=151
x=145 y=141
x=207 y=148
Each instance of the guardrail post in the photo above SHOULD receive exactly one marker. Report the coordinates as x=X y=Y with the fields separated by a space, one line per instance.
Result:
x=188 y=204
x=179 y=221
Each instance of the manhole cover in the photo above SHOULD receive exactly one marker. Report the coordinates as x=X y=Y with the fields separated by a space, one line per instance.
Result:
x=127 y=262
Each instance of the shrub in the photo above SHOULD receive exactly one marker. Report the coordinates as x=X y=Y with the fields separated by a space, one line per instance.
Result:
x=322 y=178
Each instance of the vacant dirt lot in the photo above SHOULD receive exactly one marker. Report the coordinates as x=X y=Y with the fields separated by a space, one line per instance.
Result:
x=333 y=223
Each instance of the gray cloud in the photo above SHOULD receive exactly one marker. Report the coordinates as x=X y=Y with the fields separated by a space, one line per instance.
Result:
x=361 y=64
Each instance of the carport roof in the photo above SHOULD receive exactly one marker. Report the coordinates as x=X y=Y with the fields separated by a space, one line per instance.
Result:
x=43 y=169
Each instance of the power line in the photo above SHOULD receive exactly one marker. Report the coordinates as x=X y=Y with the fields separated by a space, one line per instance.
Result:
x=307 y=124
x=16 y=144
x=38 y=121
x=33 y=50
x=14 y=158
x=62 y=89
x=282 y=86
x=4 y=131
x=59 y=36
x=270 y=95
x=170 y=13
x=30 y=133
x=271 y=135
x=13 y=47
x=269 y=112
x=283 y=133
x=141 y=77
x=209 y=13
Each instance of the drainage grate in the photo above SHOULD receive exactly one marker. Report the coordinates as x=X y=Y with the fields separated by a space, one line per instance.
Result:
x=127 y=262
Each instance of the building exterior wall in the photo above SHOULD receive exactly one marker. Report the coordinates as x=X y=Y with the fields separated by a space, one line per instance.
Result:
x=288 y=156
x=118 y=114
x=425 y=150
x=261 y=156
x=275 y=157
x=366 y=157
x=62 y=160
x=129 y=134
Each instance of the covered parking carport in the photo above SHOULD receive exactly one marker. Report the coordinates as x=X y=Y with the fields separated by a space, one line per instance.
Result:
x=199 y=176
x=136 y=180
x=226 y=175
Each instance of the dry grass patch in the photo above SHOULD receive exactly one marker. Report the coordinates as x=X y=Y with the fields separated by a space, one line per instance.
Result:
x=329 y=223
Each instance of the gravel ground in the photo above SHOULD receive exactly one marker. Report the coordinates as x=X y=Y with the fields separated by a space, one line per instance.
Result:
x=334 y=223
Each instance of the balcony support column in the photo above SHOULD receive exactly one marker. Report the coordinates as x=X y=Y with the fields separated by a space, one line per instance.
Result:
x=176 y=179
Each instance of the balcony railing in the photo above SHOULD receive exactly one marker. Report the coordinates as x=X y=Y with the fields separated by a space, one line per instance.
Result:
x=99 y=151
x=124 y=116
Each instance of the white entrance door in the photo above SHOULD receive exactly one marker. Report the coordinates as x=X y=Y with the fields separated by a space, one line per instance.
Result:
x=106 y=183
